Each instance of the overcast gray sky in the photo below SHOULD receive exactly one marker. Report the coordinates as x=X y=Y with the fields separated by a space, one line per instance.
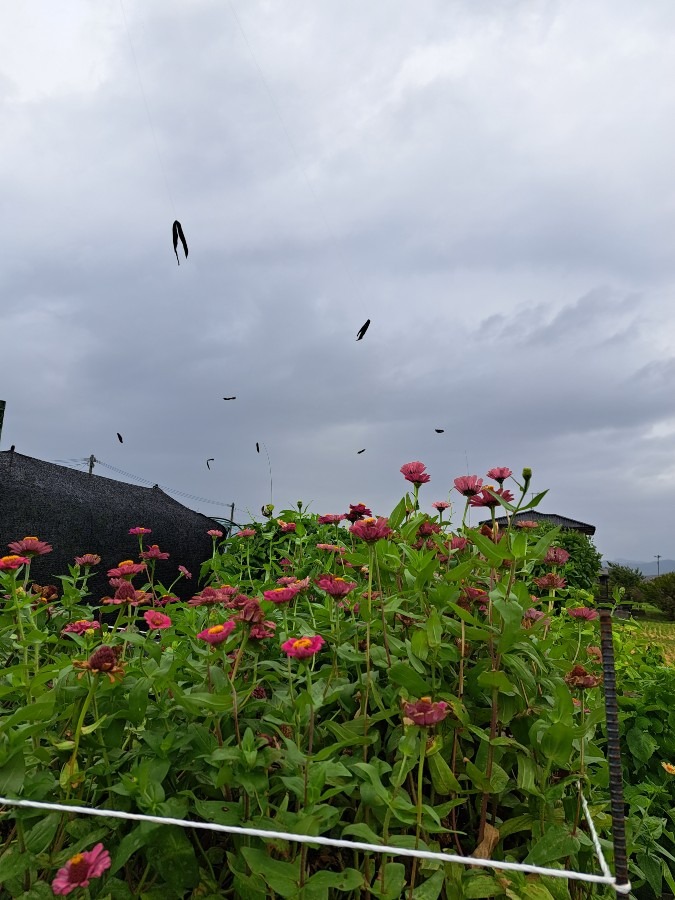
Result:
x=490 y=183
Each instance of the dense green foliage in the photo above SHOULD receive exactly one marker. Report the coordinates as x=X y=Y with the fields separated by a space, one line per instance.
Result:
x=581 y=571
x=443 y=710
x=661 y=592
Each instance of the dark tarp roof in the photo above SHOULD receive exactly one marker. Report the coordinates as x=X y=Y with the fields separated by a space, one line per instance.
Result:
x=79 y=513
x=549 y=518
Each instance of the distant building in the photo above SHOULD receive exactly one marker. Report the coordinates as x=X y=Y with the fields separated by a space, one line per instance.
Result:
x=548 y=518
x=79 y=513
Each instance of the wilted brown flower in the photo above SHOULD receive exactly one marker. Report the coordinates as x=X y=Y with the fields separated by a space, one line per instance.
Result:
x=103 y=661
x=578 y=679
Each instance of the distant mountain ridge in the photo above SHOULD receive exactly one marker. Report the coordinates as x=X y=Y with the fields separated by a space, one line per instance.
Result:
x=648 y=569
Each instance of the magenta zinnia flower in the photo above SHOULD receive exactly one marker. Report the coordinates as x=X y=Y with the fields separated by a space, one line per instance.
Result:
x=156 y=620
x=500 y=474
x=286 y=527
x=30 y=546
x=82 y=626
x=487 y=497
x=80 y=869
x=424 y=712
x=468 y=485
x=330 y=519
x=357 y=511
x=217 y=633
x=371 y=529
x=303 y=648
x=550 y=582
x=282 y=594
x=140 y=530
x=336 y=587
x=556 y=556
x=153 y=553
x=214 y=533
x=415 y=472
x=7 y=563
x=89 y=559
x=583 y=612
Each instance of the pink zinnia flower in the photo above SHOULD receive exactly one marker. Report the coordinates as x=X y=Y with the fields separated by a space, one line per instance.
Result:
x=336 y=587
x=528 y=524
x=216 y=634
x=156 y=620
x=183 y=571
x=556 y=556
x=214 y=533
x=331 y=548
x=30 y=546
x=126 y=568
x=286 y=527
x=303 y=648
x=459 y=543
x=534 y=614
x=80 y=868
x=440 y=505
x=415 y=472
x=211 y=595
x=89 y=559
x=500 y=474
x=487 y=497
x=285 y=562
x=246 y=532
x=468 y=485
x=140 y=530
x=550 y=582
x=371 y=529
x=153 y=553
x=583 y=612
x=286 y=580
x=357 y=511
x=126 y=593
x=330 y=519
x=262 y=630
x=424 y=712
x=281 y=594
x=82 y=626
x=7 y=563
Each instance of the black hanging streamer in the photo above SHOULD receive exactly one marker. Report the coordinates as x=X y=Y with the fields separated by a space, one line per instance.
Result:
x=177 y=231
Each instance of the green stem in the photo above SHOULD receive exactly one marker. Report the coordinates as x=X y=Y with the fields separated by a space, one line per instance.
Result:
x=78 y=730
x=420 y=789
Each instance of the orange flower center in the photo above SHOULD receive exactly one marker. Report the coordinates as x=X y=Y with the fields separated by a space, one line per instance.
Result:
x=216 y=629
x=368 y=520
x=425 y=699
x=302 y=643
x=10 y=558
x=79 y=868
x=125 y=562
x=30 y=538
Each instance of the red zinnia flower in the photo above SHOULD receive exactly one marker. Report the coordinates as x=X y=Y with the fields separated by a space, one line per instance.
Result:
x=336 y=587
x=140 y=530
x=156 y=620
x=89 y=559
x=281 y=594
x=153 y=553
x=30 y=546
x=468 y=485
x=214 y=533
x=217 y=633
x=303 y=648
x=424 y=712
x=550 y=581
x=126 y=568
x=583 y=612
x=487 y=497
x=80 y=869
x=82 y=626
x=556 y=556
x=357 y=511
x=459 y=543
x=415 y=472
x=500 y=474
x=330 y=519
x=371 y=529
x=246 y=532
x=8 y=563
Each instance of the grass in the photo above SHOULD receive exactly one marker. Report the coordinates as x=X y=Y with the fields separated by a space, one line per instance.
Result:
x=660 y=633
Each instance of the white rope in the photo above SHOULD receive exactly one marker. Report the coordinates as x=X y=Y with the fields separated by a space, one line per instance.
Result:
x=619 y=888
x=607 y=878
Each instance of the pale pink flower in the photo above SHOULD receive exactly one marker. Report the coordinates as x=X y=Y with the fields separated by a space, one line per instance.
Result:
x=246 y=532
x=8 y=563
x=335 y=586
x=286 y=527
x=126 y=568
x=415 y=472
x=468 y=485
x=556 y=556
x=156 y=620
x=487 y=497
x=440 y=505
x=330 y=519
x=281 y=594
x=583 y=612
x=80 y=868
x=550 y=582
x=500 y=474
x=214 y=533
x=331 y=548
x=184 y=572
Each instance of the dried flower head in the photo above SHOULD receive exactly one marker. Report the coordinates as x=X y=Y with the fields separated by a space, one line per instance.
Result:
x=579 y=679
x=103 y=661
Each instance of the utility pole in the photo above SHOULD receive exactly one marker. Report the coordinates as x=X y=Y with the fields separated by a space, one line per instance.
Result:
x=657 y=557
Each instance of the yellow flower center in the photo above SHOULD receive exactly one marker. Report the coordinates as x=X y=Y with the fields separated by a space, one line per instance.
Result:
x=339 y=578
x=77 y=859
x=216 y=629
x=30 y=538
x=302 y=643
x=9 y=558
x=369 y=520
x=425 y=699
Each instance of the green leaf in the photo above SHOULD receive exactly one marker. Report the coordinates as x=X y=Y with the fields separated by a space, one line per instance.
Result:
x=496 y=680
x=172 y=855
x=419 y=643
x=535 y=891
x=131 y=843
x=282 y=877
x=556 y=744
x=431 y=888
x=477 y=886
x=404 y=676
x=42 y=834
x=443 y=780
x=394 y=882
x=494 y=553
x=12 y=774
x=434 y=629
x=14 y=863
x=555 y=843
x=346 y=880
x=40 y=711
x=641 y=744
